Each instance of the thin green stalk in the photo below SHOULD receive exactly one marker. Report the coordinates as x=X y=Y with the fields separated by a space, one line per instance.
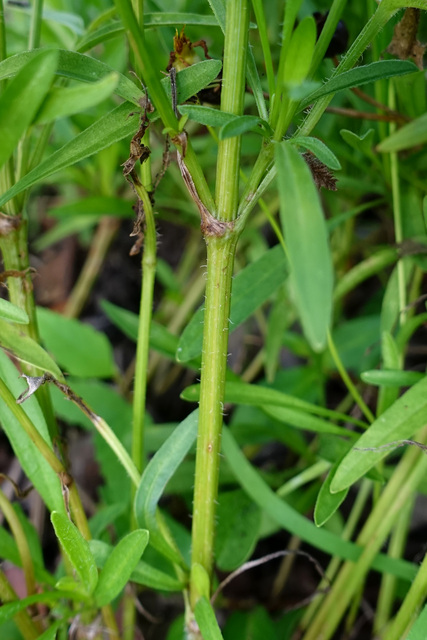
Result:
x=265 y=44
x=334 y=15
x=347 y=380
x=214 y=362
x=25 y=624
x=232 y=101
x=397 y=211
x=220 y=260
x=35 y=25
x=21 y=542
x=404 y=481
x=145 y=313
x=396 y=549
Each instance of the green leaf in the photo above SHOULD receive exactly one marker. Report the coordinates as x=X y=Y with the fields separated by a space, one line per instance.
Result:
x=160 y=338
x=327 y=503
x=17 y=342
x=391 y=378
x=307 y=244
x=119 y=566
x=10 y=609
x=50 y=633
x=111 y=128
x=66 y=101
x=77 y=550
x=191 y=80
x=22 y=98
x=143 y=573
x=97 y=205
x=418 y=630
x=363 y=143
x=9 y=311
x=294 y=522
x=205 y=618
x=75 y=66
x=320 y=150
x=399 y=422
x=237 y=530
x=158 y=472
x=80 y=349
x=300 y=52
x=410 y=135
x=207 y=116
x=35 y=466
x=359 y=76
x=242 y=124
x=260 y=396
x=251 y=288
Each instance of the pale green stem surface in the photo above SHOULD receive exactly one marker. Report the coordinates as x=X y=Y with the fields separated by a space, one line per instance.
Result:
x=145 y=313
x=35 y=25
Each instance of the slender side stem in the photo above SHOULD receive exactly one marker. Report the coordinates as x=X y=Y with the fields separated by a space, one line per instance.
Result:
x=23 y=621
x=145 y=313
x=334 y=15
x=220 y=260
x=397 y=213
x=347 y=380
x=3 y=48
x=265 y=44
x=214 y=361
x=35 y=25
x=21 y=542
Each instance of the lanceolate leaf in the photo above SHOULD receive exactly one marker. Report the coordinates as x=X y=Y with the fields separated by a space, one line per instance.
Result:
x=399 y=422
x=320 y=150
x=155 y=478
x=411 y=135
x=114 y=126
x=77 y=550
x=75 y=66
x=9 y=311
x=22 y=98
x=17 y=342
x=206 y=620
x=306 y=238
x=359 y=76
x=35 y=466
x=119 y=566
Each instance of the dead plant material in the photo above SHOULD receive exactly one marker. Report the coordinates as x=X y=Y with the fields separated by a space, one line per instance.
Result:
x=322 y=176
x=404 y=43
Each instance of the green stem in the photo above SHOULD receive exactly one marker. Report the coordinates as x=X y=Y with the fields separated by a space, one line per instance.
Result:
x=21 y=542
x=214 y=362
x=3 y=48
x=23 y=621
x=347 y=380
x=334 y=15
x=145 y=313
x=35 y=25
x=263 y=35
x=232 y=101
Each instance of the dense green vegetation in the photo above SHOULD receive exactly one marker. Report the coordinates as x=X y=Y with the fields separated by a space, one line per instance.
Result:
x=269 y=163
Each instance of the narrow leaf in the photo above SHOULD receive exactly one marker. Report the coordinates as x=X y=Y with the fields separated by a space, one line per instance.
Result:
x=9 y=311
x=119 y=566
x=111 y=128
x=33 y=463
x=191 y=80
x=22 y=98
x=242 y=124
x=155 y=478
x=399 y=422
x=205 y=617
x=320 y=150
x=66 y=101
x=26 y=349
x=410 y=135
x=251 y=288
x=391 y=378
x=306 y=237
x=77 y=550
x=361 y=75
x=327 y=503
